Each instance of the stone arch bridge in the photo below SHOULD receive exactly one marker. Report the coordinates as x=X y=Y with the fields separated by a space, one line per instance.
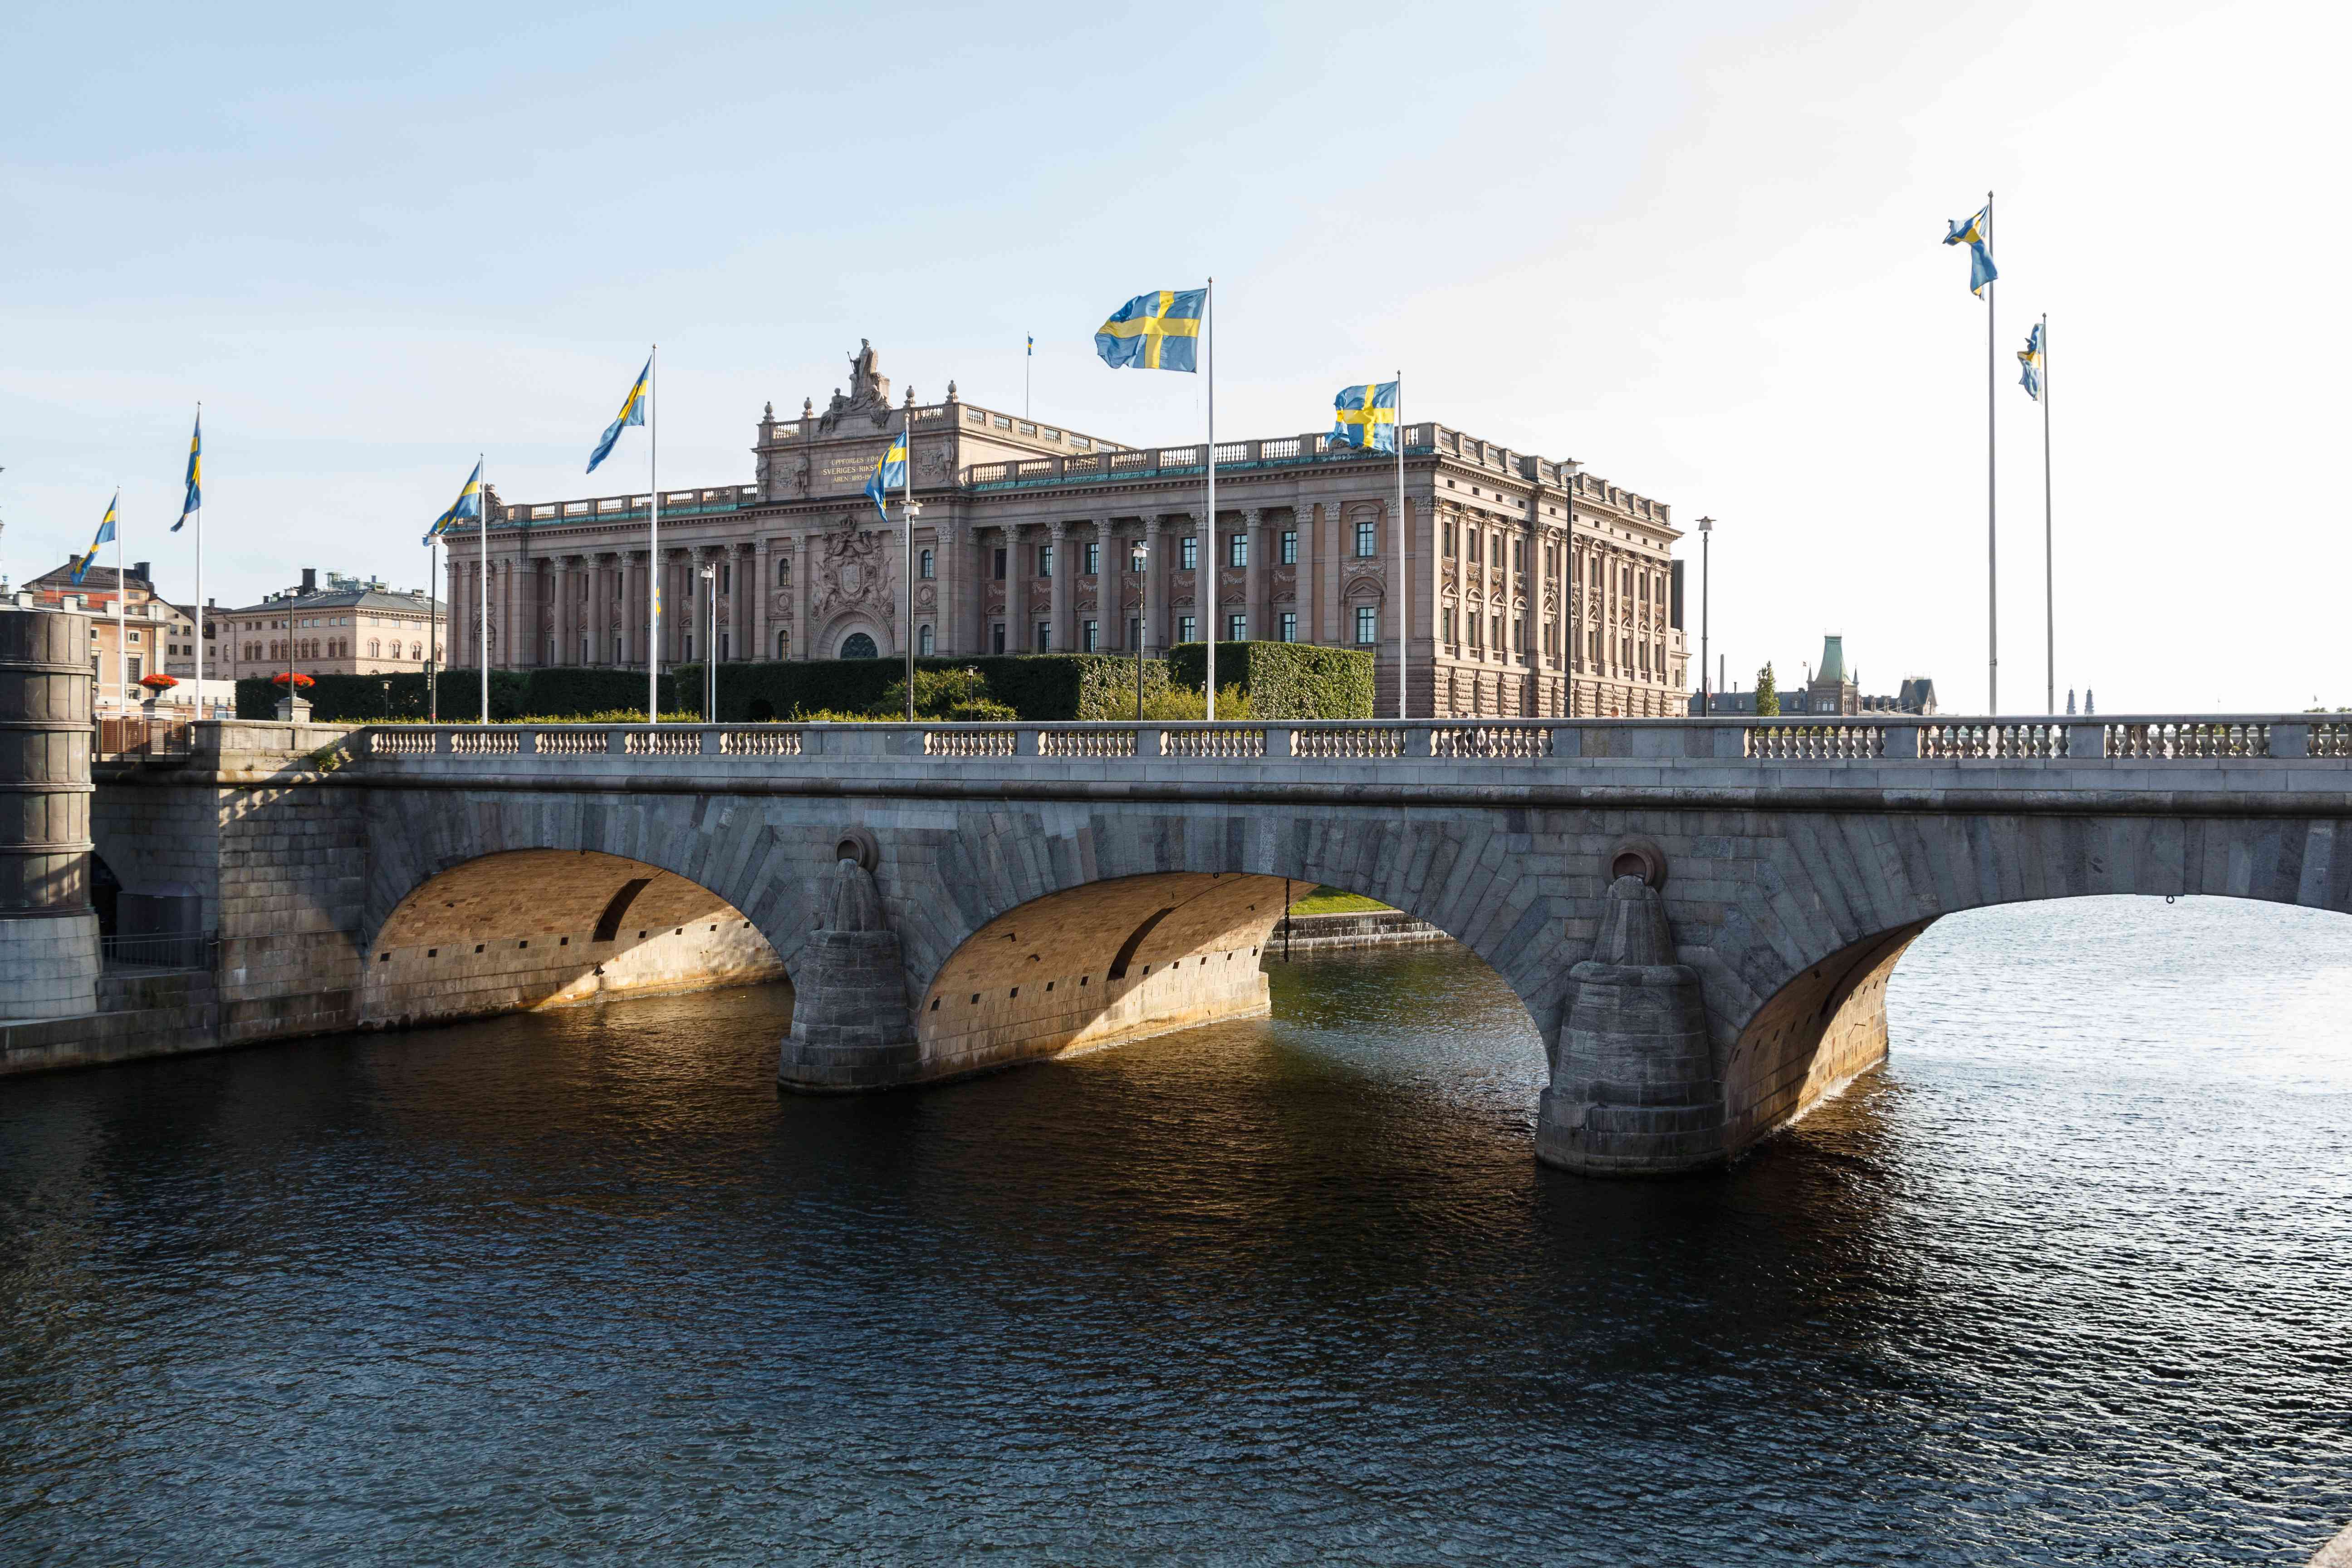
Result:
x=1700 y=916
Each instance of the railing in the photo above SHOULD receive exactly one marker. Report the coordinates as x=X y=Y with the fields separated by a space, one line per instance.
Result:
x=1892 y=741
x=170 y=950
x=129 y=738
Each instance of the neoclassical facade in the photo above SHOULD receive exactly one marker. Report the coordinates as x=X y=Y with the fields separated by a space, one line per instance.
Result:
x=1525 y=580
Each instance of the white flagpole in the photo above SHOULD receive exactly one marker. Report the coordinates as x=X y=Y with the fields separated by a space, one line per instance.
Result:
x=1403 y=597
x=200 y=565
x=1209 y=566
x=2048 y=556
x=482 y=589
x=1993 y=500
x=121 y=642
x=653 y=540
x=907 y=573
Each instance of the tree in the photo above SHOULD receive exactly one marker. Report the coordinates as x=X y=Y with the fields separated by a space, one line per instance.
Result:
x=1767 y=694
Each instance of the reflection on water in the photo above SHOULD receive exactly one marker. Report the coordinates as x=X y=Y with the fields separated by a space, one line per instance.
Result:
x=2065 y=1282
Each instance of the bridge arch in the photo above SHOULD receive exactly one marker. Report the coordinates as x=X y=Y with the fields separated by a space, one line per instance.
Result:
x=521 y=929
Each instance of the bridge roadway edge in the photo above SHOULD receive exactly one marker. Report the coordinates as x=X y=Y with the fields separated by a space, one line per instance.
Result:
x=1792 y=931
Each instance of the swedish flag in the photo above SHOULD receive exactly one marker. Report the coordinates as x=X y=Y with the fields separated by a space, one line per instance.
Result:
x=105 y=534
x=2030 y=356
x=1366 y=417
x=1972 y=234
x=890 y=474
x=196 y=499
x=1159 y=331
x=633 y=412
x=468 y=504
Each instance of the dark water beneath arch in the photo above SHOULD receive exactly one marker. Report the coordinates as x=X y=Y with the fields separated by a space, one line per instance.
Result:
x=2068 y=1281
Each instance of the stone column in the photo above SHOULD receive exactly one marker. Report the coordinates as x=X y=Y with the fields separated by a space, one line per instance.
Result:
x=1155 y=585
x=1253 y=577
x=762 y=567
x=807 y=550
x=1535 y=703
x=1059 y=591
x=1334 y=523
x=49 y=959
x=1634 y=1090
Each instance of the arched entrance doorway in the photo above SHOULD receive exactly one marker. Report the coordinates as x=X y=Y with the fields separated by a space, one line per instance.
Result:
x=858 y=645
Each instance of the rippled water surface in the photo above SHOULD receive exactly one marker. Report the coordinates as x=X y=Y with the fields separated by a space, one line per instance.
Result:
x=2069 y=1281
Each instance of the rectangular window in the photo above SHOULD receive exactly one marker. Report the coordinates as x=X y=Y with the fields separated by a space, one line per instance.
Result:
x=1093 y=558
x=922 y=569
x=1237 y=550
x=996 y=632
x=923 y=643
x=1185 y=629
x=1291 y=626
x=725 y=583
x=1237 y=629
x=1449 y=538
x=1044 y=560
x=1290 y=547
x=1368 y=539
x=1367 y=624
x=1000 y=574
x=1087 y=635
x=1473 y=622
x=1496 y=641
x=1188 y=555
x=1044 y=636
x=1134 y=631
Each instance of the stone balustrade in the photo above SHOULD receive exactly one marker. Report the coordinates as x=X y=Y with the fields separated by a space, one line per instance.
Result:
x=1350 y=743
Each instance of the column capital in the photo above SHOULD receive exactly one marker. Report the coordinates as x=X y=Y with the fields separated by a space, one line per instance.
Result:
x=1060 y=527
x=1251 y=515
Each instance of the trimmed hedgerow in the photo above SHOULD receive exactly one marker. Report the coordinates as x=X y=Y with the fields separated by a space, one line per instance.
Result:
x=1283 y=680
x=542 y=693
x=1038 y=687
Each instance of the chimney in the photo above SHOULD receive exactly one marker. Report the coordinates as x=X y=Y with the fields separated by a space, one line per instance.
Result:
x=139 y=570
x=310 y=579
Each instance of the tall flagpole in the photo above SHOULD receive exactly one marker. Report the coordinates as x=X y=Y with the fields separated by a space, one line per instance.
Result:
x=200 y=571
x=1992 y=503
x=1403 y=598
x=2049 y=551
x=482 y=591
x=1209 y=567
x=433 y=626
x=121 y=642
x=907 y=573
x=653 y=538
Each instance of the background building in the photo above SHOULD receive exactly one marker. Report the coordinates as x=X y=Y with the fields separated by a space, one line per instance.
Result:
x=1526 y=579
x=157 y=636
x=350 y=627
x=1830 y=689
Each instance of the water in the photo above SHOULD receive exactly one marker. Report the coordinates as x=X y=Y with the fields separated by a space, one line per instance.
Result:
x=2065 y=1282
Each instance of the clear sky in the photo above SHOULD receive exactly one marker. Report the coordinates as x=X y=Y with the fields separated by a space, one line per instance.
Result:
x=1694 y=246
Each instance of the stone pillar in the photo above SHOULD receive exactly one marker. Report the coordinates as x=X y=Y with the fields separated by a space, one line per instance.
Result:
x=851 y=1028
x=1634 y=1090
x=1535 y=703
x=49 y=932
x=634 y=610
x=948 y=592
x=762 y=567
x=1059 y=591
x=807 y=550
x=1254 y=577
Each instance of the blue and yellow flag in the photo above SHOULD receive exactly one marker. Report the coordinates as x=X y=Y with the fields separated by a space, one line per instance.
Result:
x=633 y=412
x=1972 y=234
x=195 y=497
x=890 y=474
x=2030 y=356
x=468 y=504
x=1159 y=331
x=105 y=534
x=1366 y=417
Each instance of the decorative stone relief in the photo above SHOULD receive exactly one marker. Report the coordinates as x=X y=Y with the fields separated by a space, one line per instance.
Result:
x=853 y=571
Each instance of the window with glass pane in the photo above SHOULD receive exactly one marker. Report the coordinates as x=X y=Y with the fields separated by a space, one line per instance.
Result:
x=1044 y=560
x=1093 y=558
x=1188 y=553
x=1044 y=636
x=1291 y=626
x=996 y=632
x=923 y=565
x=1290 y=547
x=1237 y=629
x=1134 y=631
x=1087 y=635
x=1368 y=539
x=1368 y=624
x=923 y=641
x=1000 y=574
x=1185 y=629
x=1237 y=550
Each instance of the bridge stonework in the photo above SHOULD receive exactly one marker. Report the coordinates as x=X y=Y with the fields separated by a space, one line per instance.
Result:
x=1050 y=888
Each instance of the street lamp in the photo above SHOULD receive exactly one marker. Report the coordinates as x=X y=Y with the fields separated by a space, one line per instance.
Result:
x=1705 y=581
x=709 y=575
x=1138 y=558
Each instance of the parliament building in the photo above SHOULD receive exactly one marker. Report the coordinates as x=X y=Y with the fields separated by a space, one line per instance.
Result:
x=1529 y=587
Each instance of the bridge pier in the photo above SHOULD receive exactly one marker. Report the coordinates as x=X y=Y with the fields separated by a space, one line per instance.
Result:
x=1633 y=1089
x=850 y=1025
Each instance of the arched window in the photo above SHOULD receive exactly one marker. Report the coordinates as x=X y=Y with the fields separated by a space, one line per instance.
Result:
x=416 y=651
x=923 y=566
x=783 y=643
x=858 y=645
x=923 y=641
x=783 y=571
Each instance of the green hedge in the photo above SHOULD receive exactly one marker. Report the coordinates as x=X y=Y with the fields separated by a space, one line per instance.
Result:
x=1283 y=680
x=1040 y=687
x=547 y=693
